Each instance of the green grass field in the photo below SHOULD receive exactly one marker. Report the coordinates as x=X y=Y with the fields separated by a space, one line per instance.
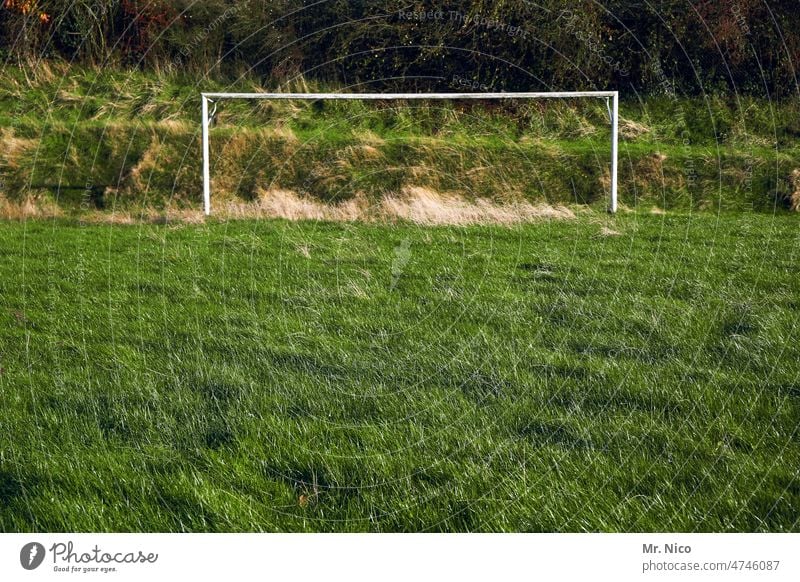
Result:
x=269 y=375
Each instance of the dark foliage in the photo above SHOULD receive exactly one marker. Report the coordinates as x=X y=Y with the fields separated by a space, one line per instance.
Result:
x=647 y=46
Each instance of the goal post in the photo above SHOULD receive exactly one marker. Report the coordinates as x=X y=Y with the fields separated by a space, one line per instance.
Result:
x=209 y=98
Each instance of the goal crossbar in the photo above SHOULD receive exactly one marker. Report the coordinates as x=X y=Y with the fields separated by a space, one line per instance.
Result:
x=613 y=110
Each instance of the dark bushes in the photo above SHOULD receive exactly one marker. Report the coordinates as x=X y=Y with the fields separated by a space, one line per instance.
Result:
x=668 y=47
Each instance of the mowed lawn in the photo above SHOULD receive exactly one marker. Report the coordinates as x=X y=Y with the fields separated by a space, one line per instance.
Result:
x=250 y=376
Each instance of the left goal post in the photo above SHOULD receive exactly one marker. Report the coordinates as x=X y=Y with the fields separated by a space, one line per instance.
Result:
x=612 y=100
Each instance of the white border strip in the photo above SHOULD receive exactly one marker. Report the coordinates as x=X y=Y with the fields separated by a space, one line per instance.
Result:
x=368 y=557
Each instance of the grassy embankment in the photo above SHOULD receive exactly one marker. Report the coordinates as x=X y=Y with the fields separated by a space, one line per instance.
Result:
x=124 y=140
x=269 y=375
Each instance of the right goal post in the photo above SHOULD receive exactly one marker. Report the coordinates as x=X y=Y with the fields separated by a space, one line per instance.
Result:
x=209 y=98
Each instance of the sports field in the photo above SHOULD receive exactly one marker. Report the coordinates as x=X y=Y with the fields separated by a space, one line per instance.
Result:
x=630 y=373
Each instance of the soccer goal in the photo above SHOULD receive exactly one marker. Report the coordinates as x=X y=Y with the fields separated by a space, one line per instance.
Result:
x=611 y=97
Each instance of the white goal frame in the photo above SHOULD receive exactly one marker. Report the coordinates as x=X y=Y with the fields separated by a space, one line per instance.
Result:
x=207 y=98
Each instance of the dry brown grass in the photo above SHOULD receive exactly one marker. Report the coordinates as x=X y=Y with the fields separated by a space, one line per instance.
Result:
x=31 y=207
x=146 y=165
x=13 y=147
x=794 y=197
x=174 y=126
x=144 y=215
x=363 y=152
x=425 y=206
x=414 y=204
x=122 y=218
x=277 y=203
x=369 y=137
x=282 y=132
x=630 y=129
